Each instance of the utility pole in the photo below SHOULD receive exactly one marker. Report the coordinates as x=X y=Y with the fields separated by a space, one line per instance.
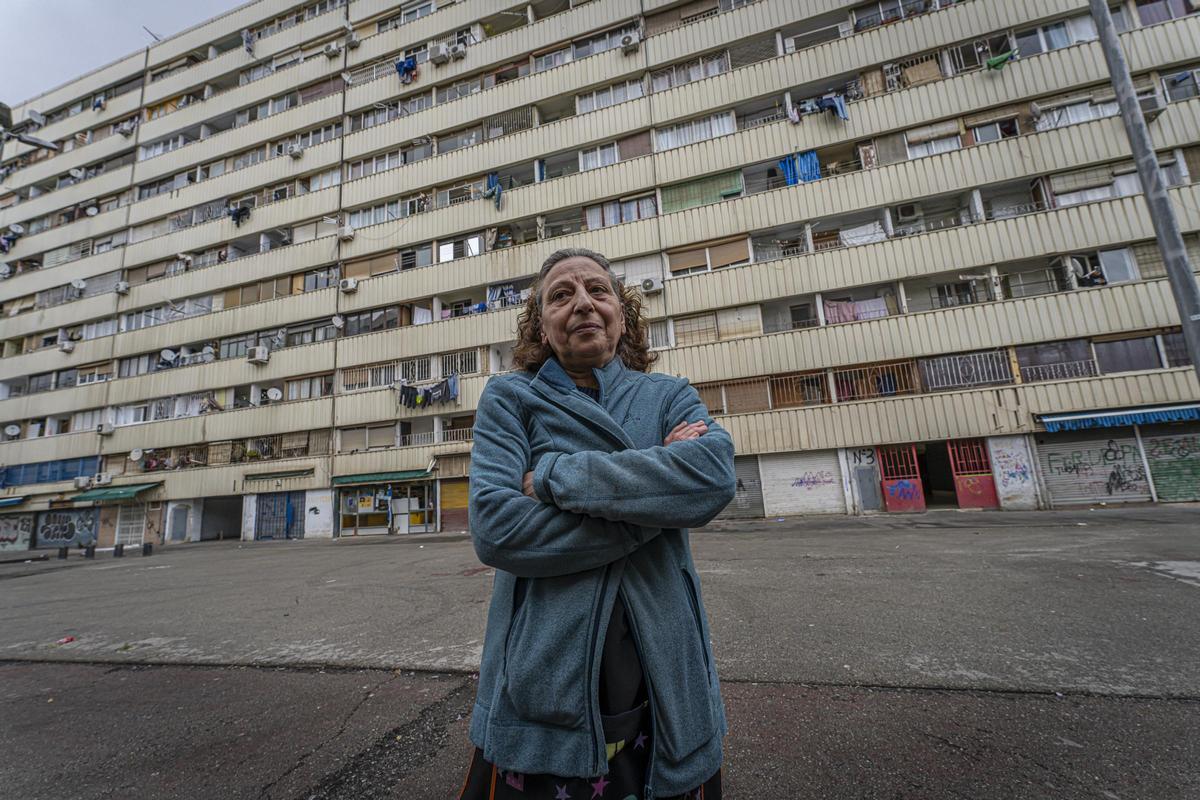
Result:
x=1166 y=226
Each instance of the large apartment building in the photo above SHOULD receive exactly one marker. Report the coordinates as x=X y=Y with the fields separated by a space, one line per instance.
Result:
x=898 y=246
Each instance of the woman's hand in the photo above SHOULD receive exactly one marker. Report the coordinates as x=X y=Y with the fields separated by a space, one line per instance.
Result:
x=527 y=486
x=686 y=430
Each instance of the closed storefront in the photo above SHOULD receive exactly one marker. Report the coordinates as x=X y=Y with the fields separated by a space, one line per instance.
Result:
x=279 y=515
x=1173 y=452
x=386 y=502
x=16 y=531
x=747 y=502
x=453 y=496
x=1093 y=466
x=802 y=483
x=67 y=527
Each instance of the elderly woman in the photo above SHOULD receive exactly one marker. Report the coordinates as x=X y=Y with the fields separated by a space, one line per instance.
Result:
x=597 y=678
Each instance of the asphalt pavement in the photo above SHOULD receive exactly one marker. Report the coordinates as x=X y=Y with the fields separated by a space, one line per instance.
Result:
x=947 y=655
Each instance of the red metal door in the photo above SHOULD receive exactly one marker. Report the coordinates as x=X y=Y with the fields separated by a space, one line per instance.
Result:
x=902 y=487
x=972 y=469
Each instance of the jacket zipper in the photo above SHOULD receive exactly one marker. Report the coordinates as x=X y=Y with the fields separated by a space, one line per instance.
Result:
x=599 y=750
x=648 y=790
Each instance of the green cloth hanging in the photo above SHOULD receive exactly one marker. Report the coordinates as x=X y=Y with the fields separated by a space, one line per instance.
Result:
x=1000 y=61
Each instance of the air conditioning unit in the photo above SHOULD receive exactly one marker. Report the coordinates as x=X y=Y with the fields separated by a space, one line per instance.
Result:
x=126 y=129
x=121 y=287
x=651 y=285
x=67 y=347
x=458 y=50
x=295 y=150
x=439 y=54
x=83 y=482
x=105 y=429
x=352 y=40
x=6 y=271
x=346 y=233
x=909 y=212
x=630 y=43
x=258 y=355
x=102 y=478
x=332 y=50
x=348 y=285
x=1152 y=105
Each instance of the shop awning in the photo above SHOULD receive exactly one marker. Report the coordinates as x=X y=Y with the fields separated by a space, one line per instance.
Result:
x=277 y=476
x=1121 y=418
x=383 y=477
x=9 y=502
x=110 y=493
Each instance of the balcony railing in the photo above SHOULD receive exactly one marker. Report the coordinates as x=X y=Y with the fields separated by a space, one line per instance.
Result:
x=881 y=380
x=1065 y=370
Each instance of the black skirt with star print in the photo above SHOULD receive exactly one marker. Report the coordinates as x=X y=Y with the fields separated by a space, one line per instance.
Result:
x=628 y=737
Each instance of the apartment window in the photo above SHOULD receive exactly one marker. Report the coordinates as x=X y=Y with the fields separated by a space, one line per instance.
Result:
x=237 y=346
x=1182 y=85
x=716 y=255
x=972 y=55
x=380 y=319
x=462 y=248
x=995 y=131
x=1176 y=349
x=419 y=256
x=1154 y=11
x=309 y=388
x=615 y=212
x=367 y=437
x=41 y=383
x=408 y=14
x=321 y=279
x=457 y=91
x=608 y=96
x=309 y=333
x=94 y=373
x=136 y=365
x=464 y=362
x=931 y=147
x=1128 y=355
x=250 y=157
x=456 y=141
x=551 y=60
x=1075 y=113
x=696 y=130
x=103 y=327
x=688 y=71
x=600 y=156
x=1056 y=35
x=1118 y=266
x=375 y=215
x=695 y=330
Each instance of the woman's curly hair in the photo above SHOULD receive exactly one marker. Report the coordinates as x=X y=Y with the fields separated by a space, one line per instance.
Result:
x=633 y=348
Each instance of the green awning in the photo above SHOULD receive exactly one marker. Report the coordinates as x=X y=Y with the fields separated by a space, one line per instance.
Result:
x=109 y=493
x=382 y=477
x=276 y=476
x=9 y=502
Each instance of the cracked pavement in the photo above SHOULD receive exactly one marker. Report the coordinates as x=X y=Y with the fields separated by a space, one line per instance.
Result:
x=944 y=656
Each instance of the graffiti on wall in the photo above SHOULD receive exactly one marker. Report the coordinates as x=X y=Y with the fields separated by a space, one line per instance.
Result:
x=1113 y=468
x=813 y=479
x=67 y=527
x=1012 y=468
x=16 y=531
x=863 y=455
x=1169 y=448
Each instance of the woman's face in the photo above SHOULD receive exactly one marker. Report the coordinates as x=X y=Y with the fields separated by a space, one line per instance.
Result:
x=582 y=318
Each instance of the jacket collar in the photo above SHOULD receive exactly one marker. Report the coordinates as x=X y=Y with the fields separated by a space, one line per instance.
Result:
x=553 y=383
x=608 y=376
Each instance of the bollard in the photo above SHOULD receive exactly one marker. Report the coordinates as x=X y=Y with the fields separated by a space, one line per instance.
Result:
x=89 y=551
x=62 y=553
x=147 y=548
x=119 y=551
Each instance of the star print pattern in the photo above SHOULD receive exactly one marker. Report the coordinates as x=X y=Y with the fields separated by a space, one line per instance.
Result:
x=598 y=787
x=562 y=793
x=640 y=741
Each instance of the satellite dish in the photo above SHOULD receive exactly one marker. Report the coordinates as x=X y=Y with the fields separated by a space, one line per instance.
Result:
x=5 y=270
x=12 y=430
x=79 y=283
x=17 y=228
x=281 y=333
x=135 y=454
x=77 y=173
x=338 y=321
x=208 y=357
x=168 y=354
x=91 y=211
x=274 y=394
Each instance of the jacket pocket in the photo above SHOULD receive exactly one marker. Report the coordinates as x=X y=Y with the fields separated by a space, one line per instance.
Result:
x=697 y=617
x=546 y=668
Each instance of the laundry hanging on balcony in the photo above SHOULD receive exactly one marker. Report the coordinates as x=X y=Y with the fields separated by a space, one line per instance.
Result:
x=835 y=103
x=406 y=68
x=494 y=189
x=248 y=41
x=1001 y=61
x=790 y=173
x=810 y=166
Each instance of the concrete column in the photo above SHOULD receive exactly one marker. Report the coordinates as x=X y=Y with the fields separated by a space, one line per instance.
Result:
x=820 y=309
x=977 y=210
x=437 y=429
x=1181 y=165
x=832 y=386
x=808 y=239
x=437 y=308
x=901 y=297
x=994 y=283
x=530 y=15
x=885 y=219
x=780 y=48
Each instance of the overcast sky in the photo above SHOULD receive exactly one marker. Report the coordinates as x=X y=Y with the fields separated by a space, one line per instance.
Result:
x=49 y=42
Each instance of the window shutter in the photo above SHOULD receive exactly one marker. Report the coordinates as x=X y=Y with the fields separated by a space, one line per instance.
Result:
x=746 y=396
x=353 y=439
x=735 y=323
x=735 y=252
x=381 y=436
x=635 y=146
x=1149 y=260
x=891 y=149
x=701 y=192
x=1081 y=179
x=695 y=330
x=939 y=130
x=688 y=259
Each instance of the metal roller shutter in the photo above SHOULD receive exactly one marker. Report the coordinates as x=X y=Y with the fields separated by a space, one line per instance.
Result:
x=802 y=483
x=1174 y=455
x=1102 y=466
x=748 y=502
x=453 y=494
